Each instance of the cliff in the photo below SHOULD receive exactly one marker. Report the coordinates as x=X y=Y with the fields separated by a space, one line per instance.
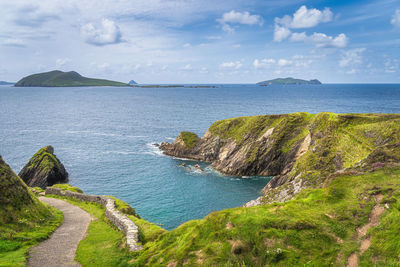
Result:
x=58 y=78
x=44 y=169
x=300 y=150
x=289 y=80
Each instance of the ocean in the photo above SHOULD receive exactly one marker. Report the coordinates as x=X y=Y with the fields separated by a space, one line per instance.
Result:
x=105 y=136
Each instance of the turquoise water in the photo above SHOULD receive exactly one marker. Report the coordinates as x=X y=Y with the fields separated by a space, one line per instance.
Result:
x=104 y=136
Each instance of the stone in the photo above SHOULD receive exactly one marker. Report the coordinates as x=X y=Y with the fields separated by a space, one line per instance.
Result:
x=44 y=169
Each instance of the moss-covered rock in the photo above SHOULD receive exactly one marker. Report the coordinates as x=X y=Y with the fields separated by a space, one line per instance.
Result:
x=44 y=169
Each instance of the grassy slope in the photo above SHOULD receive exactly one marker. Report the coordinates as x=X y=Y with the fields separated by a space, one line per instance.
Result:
x=24 y=220
x=59 y=78
x=104 y=243
x=315 y=229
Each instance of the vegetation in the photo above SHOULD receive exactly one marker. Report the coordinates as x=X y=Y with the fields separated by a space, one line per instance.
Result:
x=289 y=80
x=24 y=220
x=317 y=228
x=68 y=187
x=44 y=169
x=189 y=139
x=58 y=78
x=104 y=243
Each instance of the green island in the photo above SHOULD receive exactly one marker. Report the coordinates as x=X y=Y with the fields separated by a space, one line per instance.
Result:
x=58 y=78
x=287 y=81
x=334 y=199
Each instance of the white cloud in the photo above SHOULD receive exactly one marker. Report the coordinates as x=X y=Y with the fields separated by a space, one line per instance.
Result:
x=351 y=58
x=263 y=63
x=203 y=70
x=187 y=67
x=231 y=65
x=396 y=19
x=187 y=45
x=281 y=33
x=15 y=42
x=308 y=18
x=321 y=39
x=234 y=17
x=106 y=33
x=284 y=62
x=60 y=62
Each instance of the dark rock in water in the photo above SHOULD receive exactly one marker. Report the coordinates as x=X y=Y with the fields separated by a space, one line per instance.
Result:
x=44 y=169
x=183 y=165
x=197 y=166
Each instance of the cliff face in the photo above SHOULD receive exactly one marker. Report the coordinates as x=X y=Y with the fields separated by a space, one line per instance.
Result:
x=44 y=169
x=299 y=150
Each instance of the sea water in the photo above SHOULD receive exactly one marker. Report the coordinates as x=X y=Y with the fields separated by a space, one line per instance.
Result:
x=105 y=137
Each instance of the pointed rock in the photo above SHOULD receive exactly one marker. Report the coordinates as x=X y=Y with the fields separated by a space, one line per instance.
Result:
x=44 y=169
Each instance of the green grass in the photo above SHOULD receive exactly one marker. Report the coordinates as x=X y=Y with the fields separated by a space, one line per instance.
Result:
x=24 y=220
x=60 y=79
x=68 y=187
x=189 y=139
x=314 y=229
x=104 y=244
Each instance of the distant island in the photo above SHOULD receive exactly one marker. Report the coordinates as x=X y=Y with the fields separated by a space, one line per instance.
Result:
x=288 y=80
x=5 y=83
x=58 y=78
x=132 y=82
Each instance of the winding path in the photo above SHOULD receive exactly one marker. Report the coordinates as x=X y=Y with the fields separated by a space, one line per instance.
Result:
x=60 y=248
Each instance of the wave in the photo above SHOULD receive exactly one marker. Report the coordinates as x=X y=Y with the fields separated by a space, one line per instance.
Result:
x=154 y=150
x=105 y=134
x=119 y=152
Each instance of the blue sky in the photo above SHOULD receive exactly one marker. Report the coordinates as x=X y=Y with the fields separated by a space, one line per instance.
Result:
x=208 y=41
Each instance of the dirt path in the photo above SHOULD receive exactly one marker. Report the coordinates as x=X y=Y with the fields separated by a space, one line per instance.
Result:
x=60 y=248
x=376 y=213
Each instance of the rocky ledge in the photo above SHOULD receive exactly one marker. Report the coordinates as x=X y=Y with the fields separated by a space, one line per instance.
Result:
x=299 y=150
x=44 y=169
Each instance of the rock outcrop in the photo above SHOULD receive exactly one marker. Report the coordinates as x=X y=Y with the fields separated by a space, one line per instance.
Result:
x=44 y=169
x=300 y=150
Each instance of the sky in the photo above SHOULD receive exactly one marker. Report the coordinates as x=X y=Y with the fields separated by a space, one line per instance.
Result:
x=207 y=41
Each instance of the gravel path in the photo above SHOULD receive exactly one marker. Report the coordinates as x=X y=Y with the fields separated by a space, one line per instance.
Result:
x=60 y=248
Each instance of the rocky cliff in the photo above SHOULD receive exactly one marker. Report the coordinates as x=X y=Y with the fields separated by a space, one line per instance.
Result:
x=44 y=169
x=300 y=150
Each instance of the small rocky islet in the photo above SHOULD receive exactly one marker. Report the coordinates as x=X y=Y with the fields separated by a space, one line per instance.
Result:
x=333 y=173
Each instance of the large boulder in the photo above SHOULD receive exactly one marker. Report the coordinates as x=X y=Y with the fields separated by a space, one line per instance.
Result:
x=44 y=169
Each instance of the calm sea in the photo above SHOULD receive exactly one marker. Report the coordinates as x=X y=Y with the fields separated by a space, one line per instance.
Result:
x=104 y=136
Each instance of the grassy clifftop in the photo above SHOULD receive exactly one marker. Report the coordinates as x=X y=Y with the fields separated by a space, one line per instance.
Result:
x=317 y=228
x=58 y=78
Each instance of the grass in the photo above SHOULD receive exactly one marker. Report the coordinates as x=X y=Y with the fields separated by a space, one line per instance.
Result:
x=314 y=229
x=189 y=139
x=68 y=187
x=105 y=244
x=24 y=220
x=59 y=79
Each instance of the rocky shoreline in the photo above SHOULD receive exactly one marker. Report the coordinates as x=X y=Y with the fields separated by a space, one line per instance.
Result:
x=299 y=150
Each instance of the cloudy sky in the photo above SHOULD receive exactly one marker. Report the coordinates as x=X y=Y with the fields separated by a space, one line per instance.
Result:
x=203 y=41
